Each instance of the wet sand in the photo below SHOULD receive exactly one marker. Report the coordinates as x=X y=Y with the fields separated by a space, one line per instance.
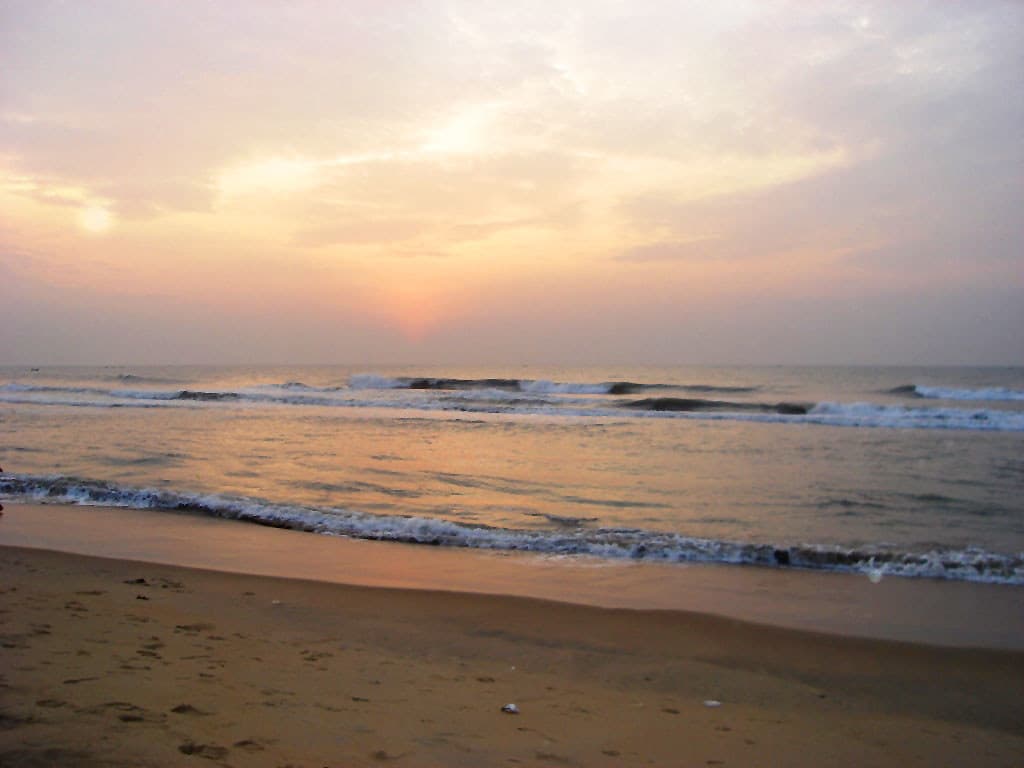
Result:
x=956 y=614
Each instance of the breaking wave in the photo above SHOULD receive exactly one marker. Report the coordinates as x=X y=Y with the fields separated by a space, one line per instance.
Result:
x=687 y=404
x=951 y=393
x=131 y=378
x=899 y=417
x=528 y=398
x=534 y=386
x=994 y=394
x=910 y=390
x=968 y=564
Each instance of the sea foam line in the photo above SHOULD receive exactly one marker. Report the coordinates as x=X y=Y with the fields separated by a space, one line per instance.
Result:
x=607 y=543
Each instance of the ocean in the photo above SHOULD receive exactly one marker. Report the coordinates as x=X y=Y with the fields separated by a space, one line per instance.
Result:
x=912 y=472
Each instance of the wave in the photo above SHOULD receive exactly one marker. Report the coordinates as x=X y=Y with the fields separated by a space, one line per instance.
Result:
x=686 y=404
x=535 y=386
x=131 y=378
x=14 y=386
x=300 y=387
x=968 y=564
x=127 y=394
x=956 y=393
x=187 y=394
x=910 y=390
x=832 y=414
x=951 y=393
x=899 y=417
x=373 y=381
x=537 y=402
x=542 y=386
x=864 y=415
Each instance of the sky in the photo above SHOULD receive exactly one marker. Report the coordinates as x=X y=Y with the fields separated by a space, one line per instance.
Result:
x=504 y=183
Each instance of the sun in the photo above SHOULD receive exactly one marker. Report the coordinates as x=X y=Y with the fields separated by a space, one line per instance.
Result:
x=95 y=219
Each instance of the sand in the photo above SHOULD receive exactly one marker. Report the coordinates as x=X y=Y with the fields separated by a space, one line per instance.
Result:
x=957 y=614
x=114 y=662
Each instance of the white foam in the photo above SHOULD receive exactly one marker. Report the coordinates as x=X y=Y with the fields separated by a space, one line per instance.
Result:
x=373 y=381
x=298 y=386
x=540 y=398
x=894 y=416
x=950 y=393
x=541 y=386
x=969 y=564
x=145 y=394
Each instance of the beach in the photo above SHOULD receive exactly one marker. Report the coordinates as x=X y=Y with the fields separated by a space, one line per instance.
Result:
x=505 y=384
x=325 y=566
x=122 y=662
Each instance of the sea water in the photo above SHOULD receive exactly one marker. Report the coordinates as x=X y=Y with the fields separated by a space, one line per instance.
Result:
x=894 y=471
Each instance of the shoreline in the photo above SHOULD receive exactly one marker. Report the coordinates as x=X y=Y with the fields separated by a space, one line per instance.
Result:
x=921 y=611
x=115 y=662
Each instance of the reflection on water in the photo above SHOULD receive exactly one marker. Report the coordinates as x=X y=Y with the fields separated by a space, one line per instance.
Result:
x=721 y=480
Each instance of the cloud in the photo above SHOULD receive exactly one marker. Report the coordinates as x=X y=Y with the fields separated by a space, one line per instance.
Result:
x=360 y=230
x=852 y=149
x=670 y=251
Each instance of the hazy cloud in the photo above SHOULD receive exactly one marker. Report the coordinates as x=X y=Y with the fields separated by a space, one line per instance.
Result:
x=674 y=174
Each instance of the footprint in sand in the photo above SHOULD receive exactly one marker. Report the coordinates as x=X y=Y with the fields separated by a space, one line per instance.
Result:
x=249 y=745
x=77 y=680
x=188 y=709
x=209 y=751
x=316 y=655
x=192 y=629
x=383 y=756
x=127 y=712
x=51 y=703
x=551 y=757
x=9 y=721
